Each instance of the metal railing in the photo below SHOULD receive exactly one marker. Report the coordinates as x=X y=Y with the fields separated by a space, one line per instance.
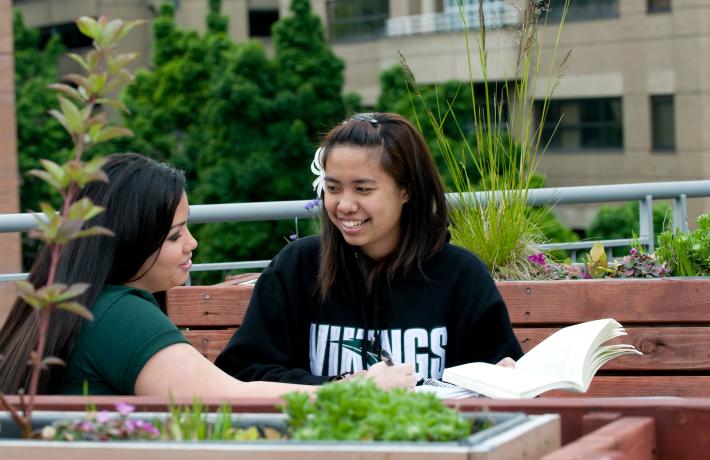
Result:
x=645 y=193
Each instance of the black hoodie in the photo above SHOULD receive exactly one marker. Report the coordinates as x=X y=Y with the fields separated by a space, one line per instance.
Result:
x=454 y=315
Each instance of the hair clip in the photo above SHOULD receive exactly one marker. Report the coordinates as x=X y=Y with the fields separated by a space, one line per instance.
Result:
x=365 y=117
x=319 y=171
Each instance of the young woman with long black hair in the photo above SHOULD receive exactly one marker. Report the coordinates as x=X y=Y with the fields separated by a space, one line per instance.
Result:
x=130 y=347
x=381 y=279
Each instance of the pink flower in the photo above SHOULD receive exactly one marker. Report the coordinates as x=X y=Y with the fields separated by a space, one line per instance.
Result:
x=124 y=408
x=538 y=259
x=86 y=426
x=103 y=417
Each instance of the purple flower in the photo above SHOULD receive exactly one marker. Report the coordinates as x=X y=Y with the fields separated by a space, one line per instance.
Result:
x=124 y=408
x=538 y=259
x=103 y=417
x=586 y=275
x=314 y=203
x=293 y=237
x=633 y=251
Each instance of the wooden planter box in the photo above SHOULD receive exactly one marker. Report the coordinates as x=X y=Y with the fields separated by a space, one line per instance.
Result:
x=667 y=319
x=513 y=435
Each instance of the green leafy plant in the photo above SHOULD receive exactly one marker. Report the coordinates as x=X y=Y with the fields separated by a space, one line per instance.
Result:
x=687 y=254
x=105 y=73
x=638 y=264
x=358 y=410
x=497 y=224
x=355 y=410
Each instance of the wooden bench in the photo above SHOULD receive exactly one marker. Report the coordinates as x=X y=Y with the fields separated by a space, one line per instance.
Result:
x=668 y=320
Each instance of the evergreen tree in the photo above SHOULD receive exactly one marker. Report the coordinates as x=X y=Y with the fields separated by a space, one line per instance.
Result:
x=38 y=134
x=244 y=127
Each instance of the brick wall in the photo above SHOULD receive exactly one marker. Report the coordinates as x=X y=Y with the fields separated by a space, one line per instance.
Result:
x=10 y=256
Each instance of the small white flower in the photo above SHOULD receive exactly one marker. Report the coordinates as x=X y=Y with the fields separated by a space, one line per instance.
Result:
x=317 y=169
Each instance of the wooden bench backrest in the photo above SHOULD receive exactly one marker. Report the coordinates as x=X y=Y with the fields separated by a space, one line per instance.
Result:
x=668 y=320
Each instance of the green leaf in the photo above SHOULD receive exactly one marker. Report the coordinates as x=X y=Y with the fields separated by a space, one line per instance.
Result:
x=68 y=230
x=72 y=291
x=82 y=82
x=24 y=287
x=112 y=133
x=114 y=103
x=71 y=114
x=79 y=60
x=77 y=309
x=34 y=300
x=48 y=209
x=120 y=61
x=61 y=119
x=96 y=230
x=45 y=176
x=89 y=27
x=84 y=209
x=66 y=89
x=127 y=26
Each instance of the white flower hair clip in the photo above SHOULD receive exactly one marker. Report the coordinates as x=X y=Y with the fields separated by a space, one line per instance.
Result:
x=317 y=169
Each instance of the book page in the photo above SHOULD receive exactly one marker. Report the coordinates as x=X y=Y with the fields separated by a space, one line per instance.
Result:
x=445 y=390
x=563 y=355
x=502 y=382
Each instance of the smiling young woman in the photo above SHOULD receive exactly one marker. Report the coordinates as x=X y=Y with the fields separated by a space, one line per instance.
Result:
x=130 y=347
x=381 y=275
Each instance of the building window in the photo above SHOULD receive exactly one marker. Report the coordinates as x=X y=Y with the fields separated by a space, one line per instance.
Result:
x=260 y=22
x=583 y=124
x=658 y=6
x=354 y=20
x=584 y=10
x=663 y=123
x=69 y=34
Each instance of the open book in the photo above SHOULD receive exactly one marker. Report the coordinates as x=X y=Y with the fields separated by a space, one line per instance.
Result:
x=566 y=360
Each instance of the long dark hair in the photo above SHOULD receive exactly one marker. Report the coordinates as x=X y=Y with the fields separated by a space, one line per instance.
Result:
x=140 y=200
x=404 y=155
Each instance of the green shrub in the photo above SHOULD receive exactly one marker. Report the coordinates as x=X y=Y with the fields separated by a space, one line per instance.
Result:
x=357 y=410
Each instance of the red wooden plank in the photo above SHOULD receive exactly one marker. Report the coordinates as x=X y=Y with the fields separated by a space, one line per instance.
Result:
x=631 y=438
x=629 y=301
x=607 y=386
x=595 y=420
x=209 y=342
x=208 y=306
x=665 y=348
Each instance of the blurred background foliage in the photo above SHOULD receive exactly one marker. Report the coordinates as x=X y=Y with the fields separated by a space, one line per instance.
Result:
x=241 y=124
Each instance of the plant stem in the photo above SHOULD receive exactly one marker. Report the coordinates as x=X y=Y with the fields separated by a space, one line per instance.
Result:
x=24 y=424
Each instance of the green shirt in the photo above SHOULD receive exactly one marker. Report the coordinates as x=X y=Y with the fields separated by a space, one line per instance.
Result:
x=127 y=330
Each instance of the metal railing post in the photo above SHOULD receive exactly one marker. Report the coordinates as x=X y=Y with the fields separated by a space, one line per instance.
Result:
x=680 y=213
x=646 y=235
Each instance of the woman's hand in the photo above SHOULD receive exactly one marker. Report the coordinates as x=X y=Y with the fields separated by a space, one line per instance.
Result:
x=388 y=377
x=507 y=362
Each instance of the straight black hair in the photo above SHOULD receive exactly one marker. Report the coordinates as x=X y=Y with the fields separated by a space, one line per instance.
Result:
x=140 y=200
x=405 y=156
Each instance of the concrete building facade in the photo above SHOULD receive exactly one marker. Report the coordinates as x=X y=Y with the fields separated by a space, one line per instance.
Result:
x=634 y=100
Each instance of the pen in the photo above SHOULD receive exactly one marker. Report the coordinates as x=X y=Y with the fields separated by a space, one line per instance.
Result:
x=386 y=357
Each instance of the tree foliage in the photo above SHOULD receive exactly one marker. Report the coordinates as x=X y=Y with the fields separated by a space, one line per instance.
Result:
x=38 y=135
x=242 y=125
